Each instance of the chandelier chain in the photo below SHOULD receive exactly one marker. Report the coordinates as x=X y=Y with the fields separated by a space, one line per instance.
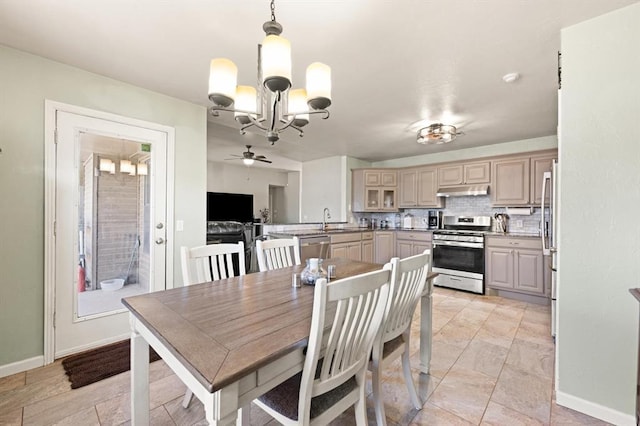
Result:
x=273 y=10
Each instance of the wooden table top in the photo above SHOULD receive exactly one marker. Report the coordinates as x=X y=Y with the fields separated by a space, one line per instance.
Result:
x=222 y=331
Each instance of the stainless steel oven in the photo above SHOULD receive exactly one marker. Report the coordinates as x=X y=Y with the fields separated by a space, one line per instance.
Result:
x=458 y=253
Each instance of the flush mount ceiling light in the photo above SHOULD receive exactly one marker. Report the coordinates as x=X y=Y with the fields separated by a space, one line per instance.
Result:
x=511 y=77
x=437 y=133
x=273 y=106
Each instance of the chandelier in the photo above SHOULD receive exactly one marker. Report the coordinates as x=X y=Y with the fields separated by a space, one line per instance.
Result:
x=437 y=133
x=273 y=106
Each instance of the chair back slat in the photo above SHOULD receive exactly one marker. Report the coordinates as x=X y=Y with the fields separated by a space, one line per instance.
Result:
x=277 y=253
x=211 y=262
x=360 y=307
x=410 y=277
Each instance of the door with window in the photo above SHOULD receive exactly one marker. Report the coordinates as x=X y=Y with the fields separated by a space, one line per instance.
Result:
x=110 y=226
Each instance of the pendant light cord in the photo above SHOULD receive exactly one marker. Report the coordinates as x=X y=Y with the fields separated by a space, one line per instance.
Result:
x=273 y=10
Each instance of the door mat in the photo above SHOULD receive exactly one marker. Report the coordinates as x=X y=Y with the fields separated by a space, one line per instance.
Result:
x=97 y=364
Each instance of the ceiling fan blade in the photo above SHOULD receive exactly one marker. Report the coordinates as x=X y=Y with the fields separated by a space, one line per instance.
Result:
x=264 y=161
x=234 y=158
x=261 y=157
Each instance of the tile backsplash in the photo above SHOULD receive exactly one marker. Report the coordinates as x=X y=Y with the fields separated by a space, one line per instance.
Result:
x=468 y=206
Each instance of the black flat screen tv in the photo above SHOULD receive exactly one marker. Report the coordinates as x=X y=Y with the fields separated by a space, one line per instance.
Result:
x=222 y=206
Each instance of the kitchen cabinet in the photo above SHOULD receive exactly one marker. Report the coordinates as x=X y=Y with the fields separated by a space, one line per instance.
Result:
x=410 y=243
x=347 y=245
x=367 y=247
x=384 y=247
x=515 y=264
x=418 y=188
x=380 y=178
x=464 y=174
x=539 y=165
x=518 y=181
x=373 y=190
x=511 y=182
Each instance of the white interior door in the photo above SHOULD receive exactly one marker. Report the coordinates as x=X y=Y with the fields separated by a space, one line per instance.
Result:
x=110 y=226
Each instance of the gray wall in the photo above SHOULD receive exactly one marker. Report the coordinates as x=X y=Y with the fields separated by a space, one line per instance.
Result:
x=599 y=245
x=25 y=82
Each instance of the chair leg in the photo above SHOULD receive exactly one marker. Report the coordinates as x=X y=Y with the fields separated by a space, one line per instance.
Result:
x=377 y=396
x=408 y=379
x=360 y=407
x=187 y=398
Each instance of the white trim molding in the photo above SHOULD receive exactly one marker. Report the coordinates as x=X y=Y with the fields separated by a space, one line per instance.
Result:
x=51 y=109
x=595 y=410
x=20 y=366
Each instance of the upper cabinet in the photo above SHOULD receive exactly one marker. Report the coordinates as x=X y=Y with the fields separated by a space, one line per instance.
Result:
x=518 y=181
x=464 y=174
x=380 y=178
x=418 y=188
x=514 y=180
x=539 y=165
x=374 y=190
x=511 y=182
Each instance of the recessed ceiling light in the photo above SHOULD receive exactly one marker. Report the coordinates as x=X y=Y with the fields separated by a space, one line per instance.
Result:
x=511 y=77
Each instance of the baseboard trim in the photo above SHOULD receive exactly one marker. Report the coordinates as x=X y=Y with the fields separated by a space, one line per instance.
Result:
x=20 y=366
x=595 y=410
x=92 y=345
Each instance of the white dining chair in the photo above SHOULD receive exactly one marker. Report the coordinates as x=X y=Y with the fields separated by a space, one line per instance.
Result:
x=409 y=278
x=277 y=253
x=210 y=263
x=334 y=374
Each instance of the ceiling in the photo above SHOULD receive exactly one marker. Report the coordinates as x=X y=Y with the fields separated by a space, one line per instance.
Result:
x=394 y=63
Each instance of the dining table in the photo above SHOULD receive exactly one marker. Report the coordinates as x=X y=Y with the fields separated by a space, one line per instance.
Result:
x=234 y=339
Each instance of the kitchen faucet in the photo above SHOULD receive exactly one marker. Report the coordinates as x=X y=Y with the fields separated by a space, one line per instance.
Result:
x=326 y=214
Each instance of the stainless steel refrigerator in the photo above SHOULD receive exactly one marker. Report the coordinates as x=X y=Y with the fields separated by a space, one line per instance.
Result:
x=549 y=233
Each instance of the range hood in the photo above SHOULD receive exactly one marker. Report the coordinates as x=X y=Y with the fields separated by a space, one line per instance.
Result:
x=463 y=191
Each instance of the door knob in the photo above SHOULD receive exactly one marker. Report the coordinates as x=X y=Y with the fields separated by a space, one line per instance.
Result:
x=160 y=225
x=160 y=240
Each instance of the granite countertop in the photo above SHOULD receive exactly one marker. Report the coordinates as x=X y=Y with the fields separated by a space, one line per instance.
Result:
x=512 y=234
x=311 y=232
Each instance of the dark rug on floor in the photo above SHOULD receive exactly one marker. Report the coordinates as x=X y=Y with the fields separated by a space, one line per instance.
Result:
x=97 y=364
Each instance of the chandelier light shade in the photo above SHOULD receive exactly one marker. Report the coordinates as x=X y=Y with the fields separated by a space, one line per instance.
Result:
x=319 y=85
x=246 y=101
x=276 y=63
x=223 y=79
x=273 y=106
x=437 y=133
x=298 y=106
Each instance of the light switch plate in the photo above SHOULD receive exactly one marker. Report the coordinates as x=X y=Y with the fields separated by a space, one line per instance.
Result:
x=179 y=225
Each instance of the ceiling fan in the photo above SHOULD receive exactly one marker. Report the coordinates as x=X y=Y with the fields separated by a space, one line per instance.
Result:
x=249 y=157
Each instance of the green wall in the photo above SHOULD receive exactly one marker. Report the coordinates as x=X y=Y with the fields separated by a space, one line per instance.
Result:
x=599 y=241
x=25 y=82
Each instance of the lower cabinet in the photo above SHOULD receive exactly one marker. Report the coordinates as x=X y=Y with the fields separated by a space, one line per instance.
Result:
x=353 y=246
x=367 y=247
x=410 y=243
x=385 y=246
x=515 y=264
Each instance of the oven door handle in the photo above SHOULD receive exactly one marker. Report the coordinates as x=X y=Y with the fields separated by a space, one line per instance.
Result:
x=458 y=244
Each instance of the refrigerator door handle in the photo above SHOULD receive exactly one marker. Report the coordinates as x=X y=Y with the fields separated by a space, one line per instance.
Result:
x=545 y=240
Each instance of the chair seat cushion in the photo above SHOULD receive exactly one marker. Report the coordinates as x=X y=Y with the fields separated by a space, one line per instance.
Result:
x=392 y=345
x=284 y=397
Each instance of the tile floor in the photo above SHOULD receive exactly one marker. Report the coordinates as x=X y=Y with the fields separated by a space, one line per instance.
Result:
x=492 y=364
